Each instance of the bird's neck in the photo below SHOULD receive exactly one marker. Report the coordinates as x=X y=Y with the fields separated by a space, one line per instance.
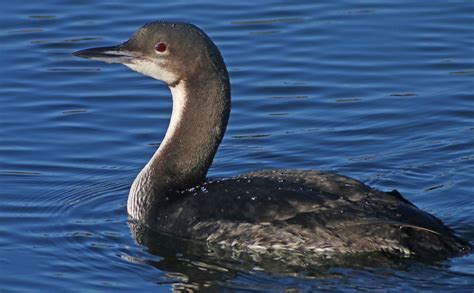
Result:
x=201 y=108
x=197 y=125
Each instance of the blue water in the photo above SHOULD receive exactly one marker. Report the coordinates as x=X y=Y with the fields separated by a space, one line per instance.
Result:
x=382 y=91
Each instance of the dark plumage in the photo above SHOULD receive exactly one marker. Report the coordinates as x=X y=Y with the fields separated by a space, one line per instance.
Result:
x=271 y=212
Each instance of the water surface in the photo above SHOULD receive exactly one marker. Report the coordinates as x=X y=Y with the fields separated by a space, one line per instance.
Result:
x=381 y=91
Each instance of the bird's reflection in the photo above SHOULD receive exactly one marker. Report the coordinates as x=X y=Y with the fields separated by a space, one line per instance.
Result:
x=195 y=264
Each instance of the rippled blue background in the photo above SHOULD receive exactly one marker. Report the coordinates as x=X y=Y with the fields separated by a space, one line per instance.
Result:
x=381 y=91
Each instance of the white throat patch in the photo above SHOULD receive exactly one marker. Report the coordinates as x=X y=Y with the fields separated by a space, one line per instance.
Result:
x=139 y=185
x=152 y=69
x=179 y=95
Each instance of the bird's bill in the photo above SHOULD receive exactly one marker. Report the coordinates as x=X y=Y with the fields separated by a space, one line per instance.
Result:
x=113 y=54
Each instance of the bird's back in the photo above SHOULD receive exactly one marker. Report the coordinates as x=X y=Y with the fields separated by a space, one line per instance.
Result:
x=305 y=212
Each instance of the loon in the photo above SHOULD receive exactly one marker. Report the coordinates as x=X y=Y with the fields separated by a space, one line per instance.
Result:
x=310 y=212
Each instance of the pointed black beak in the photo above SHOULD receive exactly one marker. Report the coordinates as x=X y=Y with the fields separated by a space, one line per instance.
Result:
x=113 y=54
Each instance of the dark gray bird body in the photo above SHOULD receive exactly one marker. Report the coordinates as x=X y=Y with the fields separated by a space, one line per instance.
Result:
x=266 y=211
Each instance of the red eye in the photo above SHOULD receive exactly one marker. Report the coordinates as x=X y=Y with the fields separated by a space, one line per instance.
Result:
x=160 y=47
